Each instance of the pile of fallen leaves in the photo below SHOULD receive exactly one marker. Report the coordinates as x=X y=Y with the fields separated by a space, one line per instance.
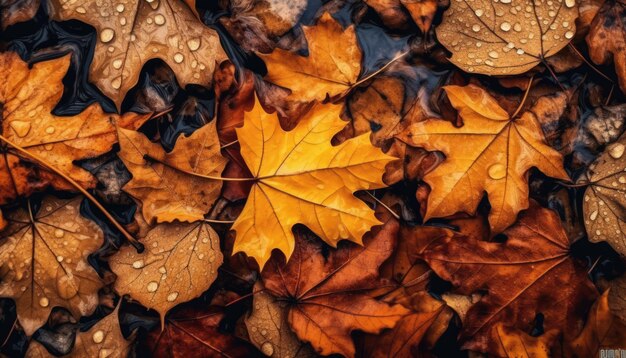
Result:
x=301 y=178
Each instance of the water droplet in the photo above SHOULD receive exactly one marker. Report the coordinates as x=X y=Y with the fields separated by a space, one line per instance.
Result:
x=67 y=286
x=476 y=28
x=320 y=186
x=178 y=57
x=505 y=26
x=569 y=35
x=622 y=179
x=117 y=82
x=593 y=215
x=50 y=130
x=60 y=258
x=617 y=150
x=263 y=332
x=565 y=24
x=162 y=270
x=105 y=353
x=98 y=336
x=497 y=171
x=81 y=10
x=117 y=64
x=479 y=12
x=20 y=128
x=200 y=257
x=172 y=296
x=159 y=19
x=520 y=51
x=106 y=35
x=44 y=302
x=138 y=264
x=152 y=286
x=58 y=233
x=267 y=348
x=493 y=54
x=122 y=21
x=505 y=1
x=570 y=3
x=120 y=8
x=193 y=44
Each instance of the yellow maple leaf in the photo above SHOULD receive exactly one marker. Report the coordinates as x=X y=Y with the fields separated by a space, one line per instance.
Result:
x=490 y=153
x=302 y=178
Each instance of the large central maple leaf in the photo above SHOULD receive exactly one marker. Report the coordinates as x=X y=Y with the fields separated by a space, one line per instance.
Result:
x=302 y=178
x=491 y=152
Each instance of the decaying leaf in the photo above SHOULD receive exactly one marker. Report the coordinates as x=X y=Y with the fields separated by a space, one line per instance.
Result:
x=330 y=69
x=131 y=32
x=506 y=37
x=617 y=304
x=516 y=343
x=104 y=339
x=43 y=258
x=602 y=330
x=14 y=11
x=28 y=122
x=490 y=153
x=166 y=185
x=179 y=263
x=530 y=272
x=269 y=330
x=604 y=206
x=327 y=295
x=196 y=333
x=302 y=179
x=607 y=38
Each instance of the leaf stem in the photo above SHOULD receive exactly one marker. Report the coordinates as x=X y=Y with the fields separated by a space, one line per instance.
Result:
x=244 y=297
x=393 y=213
x=567 y=185
x=88 y=195
x=519 y=108
x=150 y=158
x=229 y=144
x=212 y=221
x=594 y=68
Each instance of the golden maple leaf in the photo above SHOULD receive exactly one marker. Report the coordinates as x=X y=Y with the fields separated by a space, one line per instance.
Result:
x=331 y=68
x=506 y=37
x=104 y=339
x=43 y=258
x=168 y=186
x=490 y=153
x=131 y=32
x=27 y=121
x=302 y=178
x=179 y=263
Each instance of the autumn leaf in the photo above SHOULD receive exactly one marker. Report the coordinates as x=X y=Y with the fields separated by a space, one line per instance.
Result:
x=331 y=68
x=27 y=121
x=491 y=152
x=302 y=179
x=516 y=343
x=14 y=11
x=131 y=32
x=179 y=263
x=268 y=328
x=506 y=38
x=607 y=38
x=530 y=272
x=195 y=333
x=602 y=330
x=169 y=185
x=604 y=206
x=104 y=339
x=43 y=258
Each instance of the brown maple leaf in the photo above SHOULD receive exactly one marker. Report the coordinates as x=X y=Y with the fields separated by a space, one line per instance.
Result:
x=43 y=258
x=530 y=273
x=131 y=32
x=27 y=121
x=326 y=294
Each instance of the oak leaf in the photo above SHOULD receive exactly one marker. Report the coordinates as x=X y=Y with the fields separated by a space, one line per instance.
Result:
x=132 y=32
x=602 y=330
x=491 y=152
x=43 y=258
x=604 y=205
x=607 y=38
x=331 y=68
x=506 y=38
x=191 y=332
x=28 y=97
x=169 y=185
x=104 y=339
x=516 y=343
x=179 y=263
x=519 y=277
x=268 y=328
x=327 y=292
x=300 y=178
